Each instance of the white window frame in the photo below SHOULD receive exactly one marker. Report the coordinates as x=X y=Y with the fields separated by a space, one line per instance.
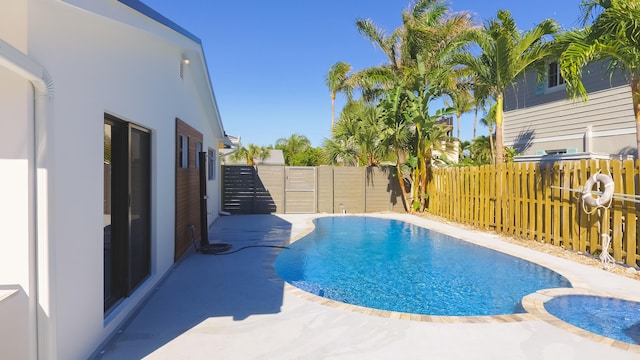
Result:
x=198 y=150
x=559 y=83
x=211 y=162
x=184 y=151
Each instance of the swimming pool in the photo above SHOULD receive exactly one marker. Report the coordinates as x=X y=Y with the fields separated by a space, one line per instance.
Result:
x=614 y=318
x=396 y=266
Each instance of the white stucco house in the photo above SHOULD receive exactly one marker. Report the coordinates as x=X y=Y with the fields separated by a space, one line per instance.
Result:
x=104 y=105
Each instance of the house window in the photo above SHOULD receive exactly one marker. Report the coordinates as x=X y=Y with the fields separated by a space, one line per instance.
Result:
x=183 y=151
x=211 y=159
x=554 y=78
x=198 y=150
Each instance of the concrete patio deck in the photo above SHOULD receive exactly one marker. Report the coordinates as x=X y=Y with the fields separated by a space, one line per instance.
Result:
x=236 y=307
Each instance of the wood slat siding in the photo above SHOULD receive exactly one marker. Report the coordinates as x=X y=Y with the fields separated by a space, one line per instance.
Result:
x=535 y=202
x=187 y=197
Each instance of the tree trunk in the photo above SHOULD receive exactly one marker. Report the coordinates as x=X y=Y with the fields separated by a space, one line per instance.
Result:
x=333 y=109
x=423 y=182
x=475 y=123
x=493 y=149
x=401 y=182
x=402 y=188
x=499 y=141
x=458 y=125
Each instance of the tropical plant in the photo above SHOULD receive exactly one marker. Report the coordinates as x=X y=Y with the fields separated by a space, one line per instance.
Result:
x=251 y=153
x=461 y=101
x=614 y=36
x=427 y=34
x=505 y=53
x=291 y=146
x=481 y=150
x=338 y=152
x=396 y=133
x=489 y=120
x=337 y=81
x=405 y=86
x=310 y=156
x=361 y=123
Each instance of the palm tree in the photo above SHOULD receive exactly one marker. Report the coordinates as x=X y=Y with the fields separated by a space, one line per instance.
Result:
x=462 y=102
x=336 y=81
x=428 y=32
x=360 y=124
x=489 y=121
x=340 y=152
x=295 y=144
x=614 y=35
x=505 y=54
x=396 y=133
x=481 y=150
x=416 y=53
x=251 y=153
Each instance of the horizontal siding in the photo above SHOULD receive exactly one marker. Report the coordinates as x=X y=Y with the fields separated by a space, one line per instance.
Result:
x=559 y=122
x=523 y=94
x=605 y=110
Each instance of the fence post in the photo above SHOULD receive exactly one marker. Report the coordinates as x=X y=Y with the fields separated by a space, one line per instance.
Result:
x=630 y=233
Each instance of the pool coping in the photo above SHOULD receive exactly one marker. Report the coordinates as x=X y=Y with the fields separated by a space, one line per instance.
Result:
x=532 y=303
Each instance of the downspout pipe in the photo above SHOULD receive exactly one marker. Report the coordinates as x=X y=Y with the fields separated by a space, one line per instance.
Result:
x=41 y=334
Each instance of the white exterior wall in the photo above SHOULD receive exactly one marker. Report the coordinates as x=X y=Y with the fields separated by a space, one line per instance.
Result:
x=98 y=65
x=16 y=194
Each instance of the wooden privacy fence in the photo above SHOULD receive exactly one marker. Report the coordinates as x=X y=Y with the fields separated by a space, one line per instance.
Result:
x=539 y=201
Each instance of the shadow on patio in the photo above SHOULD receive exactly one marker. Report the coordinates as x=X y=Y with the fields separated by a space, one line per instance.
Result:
x=204 y=286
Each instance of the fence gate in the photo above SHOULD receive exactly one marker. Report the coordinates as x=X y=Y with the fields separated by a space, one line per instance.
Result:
x=300 y=190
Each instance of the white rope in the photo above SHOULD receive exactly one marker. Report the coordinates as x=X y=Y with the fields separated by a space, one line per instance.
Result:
x=607 y=260
x=623 y=197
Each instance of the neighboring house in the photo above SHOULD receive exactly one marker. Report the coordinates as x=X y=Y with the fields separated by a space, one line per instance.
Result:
x=103 y=107
x=540 y=120
x=451 y=151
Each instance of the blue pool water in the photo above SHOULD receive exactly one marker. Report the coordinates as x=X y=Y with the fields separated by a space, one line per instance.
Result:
x=392 y=265
x=614 y=318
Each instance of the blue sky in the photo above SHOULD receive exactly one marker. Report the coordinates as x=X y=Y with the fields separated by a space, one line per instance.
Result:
x=268 y=59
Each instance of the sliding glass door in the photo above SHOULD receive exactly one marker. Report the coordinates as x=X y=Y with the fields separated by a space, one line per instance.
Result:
x=127 y=208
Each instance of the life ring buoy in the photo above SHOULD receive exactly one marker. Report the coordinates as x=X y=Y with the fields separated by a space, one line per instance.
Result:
x=607 y=194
